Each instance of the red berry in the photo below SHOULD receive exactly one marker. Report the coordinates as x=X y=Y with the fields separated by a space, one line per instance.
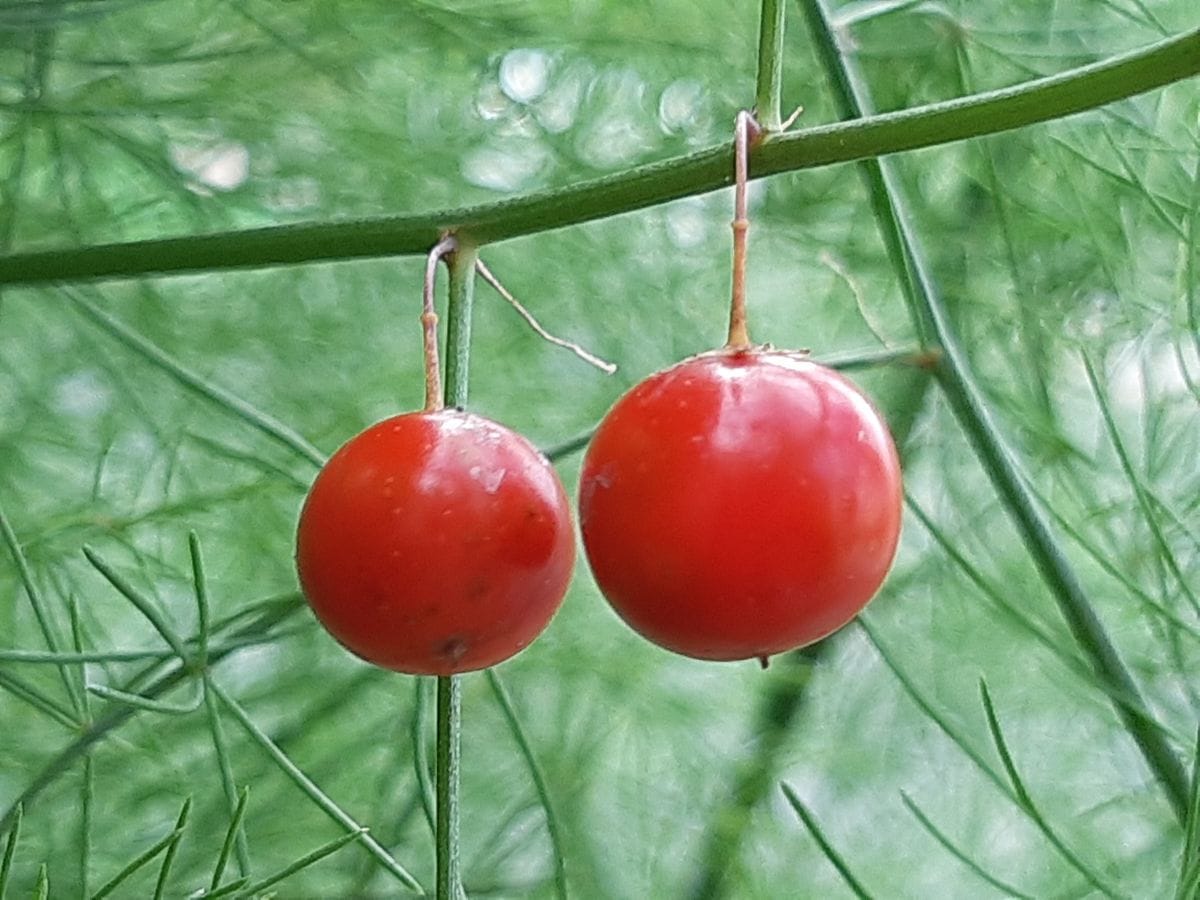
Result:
x=740 y=504
x=435 y=543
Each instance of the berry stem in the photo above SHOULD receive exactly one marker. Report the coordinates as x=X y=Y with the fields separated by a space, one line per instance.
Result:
x=744 y=132
x=429 y=321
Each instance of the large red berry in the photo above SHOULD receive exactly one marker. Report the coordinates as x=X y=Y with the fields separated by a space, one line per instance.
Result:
x=740 y=504
x=435 y=543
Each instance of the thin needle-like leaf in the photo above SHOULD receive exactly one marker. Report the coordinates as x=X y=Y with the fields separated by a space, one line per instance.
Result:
x=1106 y=562
x=1135 y=482
x=87 y=783
x=34 y=595
x=142 y=604
x=314 y=793
x=1189 y=875
x=231 y=835
x=305 y=861
x=38 y=700
x=835 y=858
x=420 y=751
x=267 y=615
x=768 y=90
x=995 y=595
x=926 y=707
x=234 y=405
x=41 y=657
x=1026 y=801
x=938 y=835
x=164 y=872
x=10 y=848
x=539 y=780
x=136 y=863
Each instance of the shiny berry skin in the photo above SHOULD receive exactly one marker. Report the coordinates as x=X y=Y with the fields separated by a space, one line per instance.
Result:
x=740 y=503
x=435 y=543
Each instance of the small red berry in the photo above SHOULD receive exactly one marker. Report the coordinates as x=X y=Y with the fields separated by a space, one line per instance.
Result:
x=740 y=503
x=435 y=543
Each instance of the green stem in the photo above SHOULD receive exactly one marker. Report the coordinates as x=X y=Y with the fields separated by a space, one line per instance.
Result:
x=1024 y=104
x=769 y=87
x=967 y=401
x=449 y=691
x=458 y=323
x=446 y=772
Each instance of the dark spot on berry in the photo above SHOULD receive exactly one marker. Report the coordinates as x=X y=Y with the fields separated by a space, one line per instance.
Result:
x=453 y=649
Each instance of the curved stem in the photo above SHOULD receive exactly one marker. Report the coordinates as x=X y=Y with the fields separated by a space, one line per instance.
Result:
x=1024 y=104
x=429 y=321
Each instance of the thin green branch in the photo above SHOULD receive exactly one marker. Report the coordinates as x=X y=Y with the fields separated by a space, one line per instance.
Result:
x=1039 y=100
x=45 y=657
x=447 y=766
x=448 y=754
x=150 y=705
x=459 y=311
x=768 y=104
x=967 y=401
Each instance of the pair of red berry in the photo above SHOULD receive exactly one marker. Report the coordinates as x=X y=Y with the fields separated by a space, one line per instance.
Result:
x=739 y=504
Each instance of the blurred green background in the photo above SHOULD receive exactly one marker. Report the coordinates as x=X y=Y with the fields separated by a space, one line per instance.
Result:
x=128 y=119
